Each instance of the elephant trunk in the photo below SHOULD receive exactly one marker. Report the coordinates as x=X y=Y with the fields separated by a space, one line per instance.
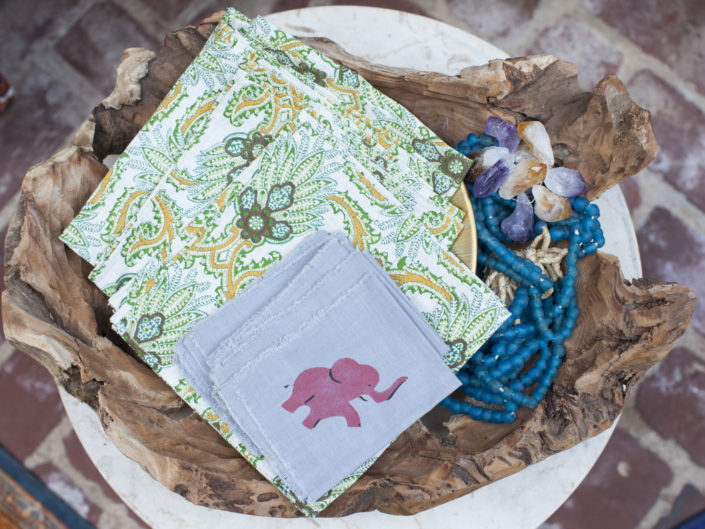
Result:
x=380 y=396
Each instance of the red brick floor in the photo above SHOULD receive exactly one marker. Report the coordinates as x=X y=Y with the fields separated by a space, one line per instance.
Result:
x=61 y=55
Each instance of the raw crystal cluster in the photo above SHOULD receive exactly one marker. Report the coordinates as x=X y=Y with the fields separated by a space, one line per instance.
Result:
x=521 y=167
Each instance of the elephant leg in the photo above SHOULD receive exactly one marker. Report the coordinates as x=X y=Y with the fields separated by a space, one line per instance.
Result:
x=311 y=419
x=351 y=415
x=316 y=415
x=296 y=400
x=292 y=404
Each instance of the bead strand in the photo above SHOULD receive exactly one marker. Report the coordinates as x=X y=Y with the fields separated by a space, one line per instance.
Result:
x=518 y=364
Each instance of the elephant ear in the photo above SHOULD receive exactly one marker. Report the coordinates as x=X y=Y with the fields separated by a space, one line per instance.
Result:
x=344 y=370
x=347 y=371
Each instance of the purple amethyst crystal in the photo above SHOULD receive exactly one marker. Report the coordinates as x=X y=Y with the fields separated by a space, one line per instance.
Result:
x=505 y=133
x=489 y=180
x=519 y=225
x=565 y=182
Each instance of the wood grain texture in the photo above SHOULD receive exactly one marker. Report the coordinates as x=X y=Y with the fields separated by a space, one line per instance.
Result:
x=54 y=313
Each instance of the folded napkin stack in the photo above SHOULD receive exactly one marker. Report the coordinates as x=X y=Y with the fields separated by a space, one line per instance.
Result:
x=276 y=218
x=324 y=327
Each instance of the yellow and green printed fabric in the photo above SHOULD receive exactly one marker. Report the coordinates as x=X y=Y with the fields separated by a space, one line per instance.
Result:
x=170 y=242
x=305 y=182
x=180 y=120
x=186 y=112
x=390 y=123
x=201 y=176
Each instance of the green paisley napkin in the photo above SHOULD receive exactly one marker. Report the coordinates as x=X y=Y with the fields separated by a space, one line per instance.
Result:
x=181 y=119
x=184 y=192
x=404 y=230
x=391 y=124
x=306 y=184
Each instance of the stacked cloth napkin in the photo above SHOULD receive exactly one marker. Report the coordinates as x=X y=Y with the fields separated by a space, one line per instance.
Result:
x=264 y=155
x=324 y=327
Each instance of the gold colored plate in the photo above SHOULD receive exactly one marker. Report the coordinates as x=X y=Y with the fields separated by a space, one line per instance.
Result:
x=465 y=246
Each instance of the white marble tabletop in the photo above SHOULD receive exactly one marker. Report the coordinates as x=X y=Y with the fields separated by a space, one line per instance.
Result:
x=522 y=500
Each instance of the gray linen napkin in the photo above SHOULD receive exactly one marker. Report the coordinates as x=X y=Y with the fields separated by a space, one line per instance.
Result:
x=332 y=257
x=195 y=347
x=192 y=349
x=298 y=397
x=266 y=328
x=326 y=304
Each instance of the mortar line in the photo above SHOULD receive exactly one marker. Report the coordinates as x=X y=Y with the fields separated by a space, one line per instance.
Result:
x=636 y=59
x=684 y=470
x=656 y=191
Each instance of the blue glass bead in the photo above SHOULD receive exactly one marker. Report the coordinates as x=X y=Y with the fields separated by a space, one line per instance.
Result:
x=565 y=297
x=593 y=210
x=591 y=248
x=510 y=334
x=524 y=329
x=590 y=223
x=534 y=276
x=557 y=310
x=559 y=233
x=477 y=359
x=487 y=141
x=569 y=284
x=499 y=349
x=580 y=204
x=547 y=336
x=508 y=322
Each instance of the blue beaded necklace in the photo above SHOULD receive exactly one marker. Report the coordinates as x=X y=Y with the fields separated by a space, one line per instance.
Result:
x=519 y=362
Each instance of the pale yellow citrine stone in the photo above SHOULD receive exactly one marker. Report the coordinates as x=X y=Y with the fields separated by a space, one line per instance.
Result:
x=550 y=207
x=535 y=135
x=523 y=175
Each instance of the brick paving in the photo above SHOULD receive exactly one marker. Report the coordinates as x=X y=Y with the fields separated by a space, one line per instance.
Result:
x=61 y=56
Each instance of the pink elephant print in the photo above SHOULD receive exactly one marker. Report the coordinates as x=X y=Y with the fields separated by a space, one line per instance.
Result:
x=328 y=392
